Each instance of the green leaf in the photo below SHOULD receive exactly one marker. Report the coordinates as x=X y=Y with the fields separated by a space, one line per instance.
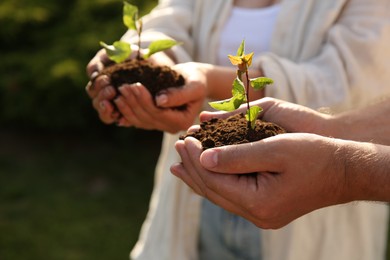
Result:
x=231 y=104
x=241 y=49
x=159 y=45
x=238 y=93
x=238 y=88
x=130 y=16
x=118 y=52
x=252 y=114
x=260 y=82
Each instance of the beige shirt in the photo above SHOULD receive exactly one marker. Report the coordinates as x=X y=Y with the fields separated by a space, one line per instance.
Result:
x=324 y=53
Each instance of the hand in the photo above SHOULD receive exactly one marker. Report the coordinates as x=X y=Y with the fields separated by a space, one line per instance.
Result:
x=292 y=117
x=100 y=89
x=293 y=174
x=138 y=108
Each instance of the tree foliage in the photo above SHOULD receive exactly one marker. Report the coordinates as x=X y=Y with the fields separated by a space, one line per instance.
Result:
x=45 y=46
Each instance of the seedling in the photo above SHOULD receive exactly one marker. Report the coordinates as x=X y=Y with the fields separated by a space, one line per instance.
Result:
x=119 y=51
x=240 y=92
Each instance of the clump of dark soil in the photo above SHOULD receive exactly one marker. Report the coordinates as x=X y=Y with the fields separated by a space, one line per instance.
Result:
x=154 y=78
x=233 y=130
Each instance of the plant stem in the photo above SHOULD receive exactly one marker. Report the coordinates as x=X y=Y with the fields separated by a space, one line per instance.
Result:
x=139 y=30
x=247 y=95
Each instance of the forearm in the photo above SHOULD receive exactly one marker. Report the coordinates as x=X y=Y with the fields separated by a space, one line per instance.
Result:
x=367 y=171
x=370 y=124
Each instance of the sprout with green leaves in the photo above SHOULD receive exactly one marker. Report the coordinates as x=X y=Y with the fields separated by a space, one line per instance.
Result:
x=240 y=92
x=119 y=51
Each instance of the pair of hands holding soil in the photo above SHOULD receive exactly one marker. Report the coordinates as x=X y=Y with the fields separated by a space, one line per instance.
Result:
x=293 y=173
x=136 y=107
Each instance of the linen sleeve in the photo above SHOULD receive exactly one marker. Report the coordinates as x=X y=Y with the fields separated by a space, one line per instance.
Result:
x=349 y=68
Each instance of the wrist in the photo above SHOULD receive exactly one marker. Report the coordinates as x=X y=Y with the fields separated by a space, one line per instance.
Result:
x=349 y=185
x=344 y=126
x=365 y=173
x=209 y=71
x=330 y=126
x=339 y=182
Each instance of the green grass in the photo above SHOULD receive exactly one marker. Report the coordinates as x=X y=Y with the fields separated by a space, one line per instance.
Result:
x=73 y=197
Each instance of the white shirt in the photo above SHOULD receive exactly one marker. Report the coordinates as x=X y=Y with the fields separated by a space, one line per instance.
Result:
x=254 y=25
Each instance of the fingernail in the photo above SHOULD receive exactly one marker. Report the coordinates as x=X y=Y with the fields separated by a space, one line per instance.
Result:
x=104 y=80
x=135 y=88
x=161 y=99
x=94 y=75
x=89 y=86
x=209 y=159
x=122 y=90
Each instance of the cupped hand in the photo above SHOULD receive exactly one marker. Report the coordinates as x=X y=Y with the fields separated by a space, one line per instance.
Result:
x=195 y=90
x=291 y=175
x=100 y=89
x=173 y=110
x=290 y=116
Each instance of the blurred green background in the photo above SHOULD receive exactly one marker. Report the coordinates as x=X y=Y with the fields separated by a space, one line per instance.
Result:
x=70 y=187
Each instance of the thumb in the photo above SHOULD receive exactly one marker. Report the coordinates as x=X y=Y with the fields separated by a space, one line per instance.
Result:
x=258 y=156
x=175 y=97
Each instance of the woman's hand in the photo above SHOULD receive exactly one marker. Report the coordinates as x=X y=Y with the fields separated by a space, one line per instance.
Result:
x=140 y=110
x=100 y=89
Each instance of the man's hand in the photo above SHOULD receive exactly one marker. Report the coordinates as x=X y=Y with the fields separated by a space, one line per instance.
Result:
x=291 y=175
